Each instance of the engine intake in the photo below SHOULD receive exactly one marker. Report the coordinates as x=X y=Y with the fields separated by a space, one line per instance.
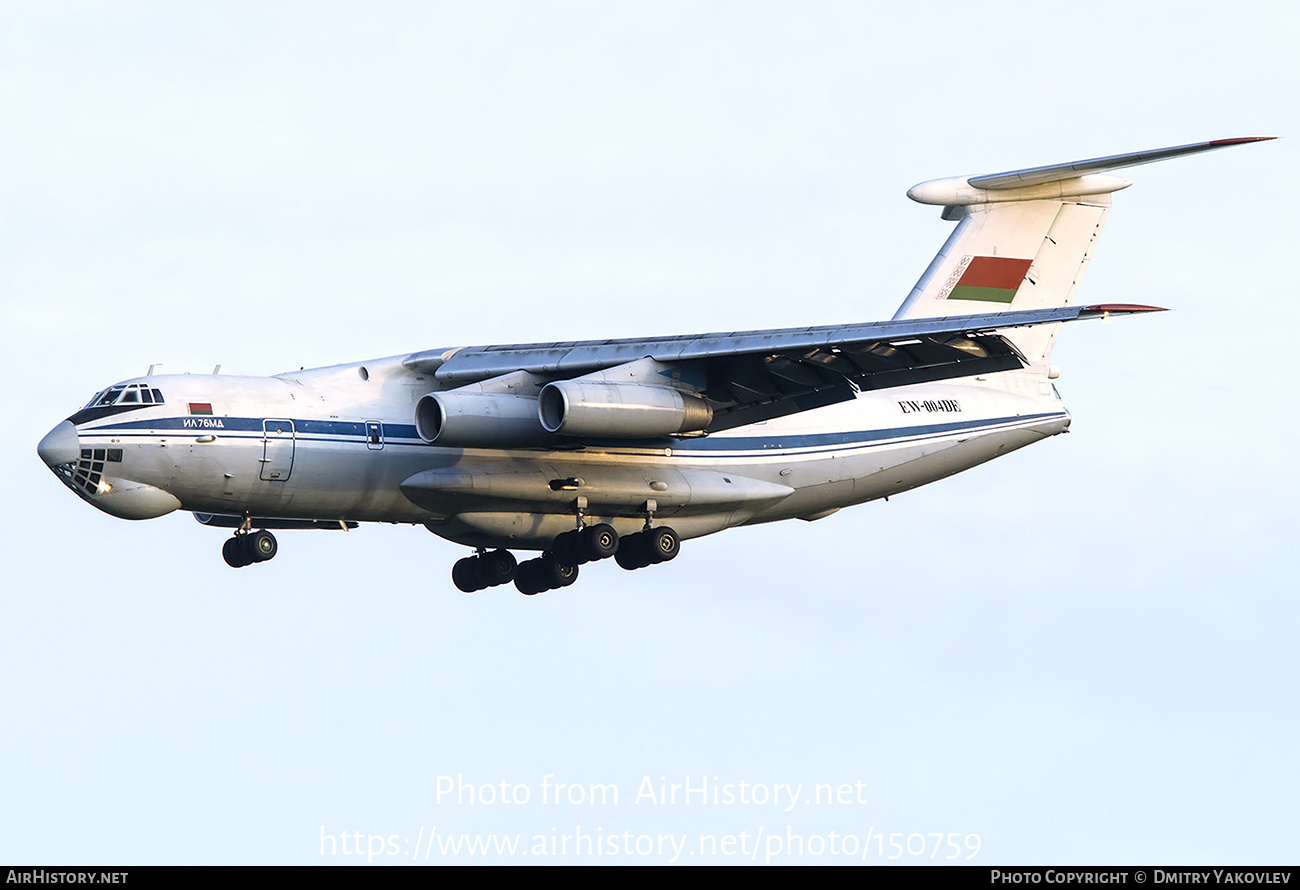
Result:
x=620 y=410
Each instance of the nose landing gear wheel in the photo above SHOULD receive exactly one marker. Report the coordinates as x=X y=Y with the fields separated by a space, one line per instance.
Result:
x=244 y=550
x=230 y=552
x=261 y=545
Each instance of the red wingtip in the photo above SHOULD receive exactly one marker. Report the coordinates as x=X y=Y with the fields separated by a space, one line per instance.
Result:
x=1123 y=307
x=1241 y=140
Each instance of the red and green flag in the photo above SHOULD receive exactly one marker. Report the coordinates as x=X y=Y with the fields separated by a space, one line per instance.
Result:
x=991 y=279
x=200 y=407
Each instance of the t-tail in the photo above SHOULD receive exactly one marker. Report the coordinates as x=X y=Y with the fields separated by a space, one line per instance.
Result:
x=1024 y=238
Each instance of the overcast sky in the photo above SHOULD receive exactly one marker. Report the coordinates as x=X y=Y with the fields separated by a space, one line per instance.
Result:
x=1083 y=652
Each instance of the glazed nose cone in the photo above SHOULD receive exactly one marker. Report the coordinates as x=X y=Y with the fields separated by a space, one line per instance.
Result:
x=60 y=445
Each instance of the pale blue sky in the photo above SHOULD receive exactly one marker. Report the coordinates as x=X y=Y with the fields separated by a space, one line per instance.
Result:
x=1083 y=652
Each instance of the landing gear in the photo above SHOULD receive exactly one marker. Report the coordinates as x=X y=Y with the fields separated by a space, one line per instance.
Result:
x=544 y=573
x=246 y=548
x=533 y=576
x=558 y=566
x=584 y=545
x=648 y=547
x=484 y=570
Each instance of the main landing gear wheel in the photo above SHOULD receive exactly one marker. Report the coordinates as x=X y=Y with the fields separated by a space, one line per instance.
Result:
x=546 y=572
x=244 y=550
x=662 y=544
x=599 y=541
x=584 y=545
x=483 y=570
x=647 y=548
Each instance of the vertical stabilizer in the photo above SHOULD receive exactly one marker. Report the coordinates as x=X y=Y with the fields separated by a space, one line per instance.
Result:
x=1023 y=238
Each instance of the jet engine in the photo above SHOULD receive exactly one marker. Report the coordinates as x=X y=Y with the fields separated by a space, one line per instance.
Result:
x=479 y=420
x=620 y=410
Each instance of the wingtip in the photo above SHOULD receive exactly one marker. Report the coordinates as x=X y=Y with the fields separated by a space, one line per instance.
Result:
x=1121 y=308
x=1240 y=140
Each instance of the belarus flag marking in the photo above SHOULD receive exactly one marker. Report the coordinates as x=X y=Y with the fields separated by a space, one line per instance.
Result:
x=991 y=279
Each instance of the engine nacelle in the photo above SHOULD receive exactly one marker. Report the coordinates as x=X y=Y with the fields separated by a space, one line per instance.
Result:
x=479 y=420
x=620 y=410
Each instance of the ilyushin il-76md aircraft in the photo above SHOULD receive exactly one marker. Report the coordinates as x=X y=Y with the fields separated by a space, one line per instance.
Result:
x=590 y=449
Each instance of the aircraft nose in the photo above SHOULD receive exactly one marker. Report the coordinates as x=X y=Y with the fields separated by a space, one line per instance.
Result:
x=60 y=445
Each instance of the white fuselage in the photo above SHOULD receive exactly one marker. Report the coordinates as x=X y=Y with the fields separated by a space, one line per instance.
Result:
x=340 y=444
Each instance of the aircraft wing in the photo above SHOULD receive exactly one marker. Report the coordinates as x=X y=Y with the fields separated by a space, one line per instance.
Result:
x=748 y=376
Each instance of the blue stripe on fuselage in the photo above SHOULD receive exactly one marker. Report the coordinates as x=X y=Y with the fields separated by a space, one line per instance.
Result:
x=855 y=437
x=254 y=424
x=405 y=434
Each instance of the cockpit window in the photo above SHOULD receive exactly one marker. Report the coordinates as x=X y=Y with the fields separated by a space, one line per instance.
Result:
x=134 y=394
x=109 y=397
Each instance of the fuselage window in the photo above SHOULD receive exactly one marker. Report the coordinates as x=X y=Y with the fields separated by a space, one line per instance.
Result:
x=157 y=397
x=145 y=395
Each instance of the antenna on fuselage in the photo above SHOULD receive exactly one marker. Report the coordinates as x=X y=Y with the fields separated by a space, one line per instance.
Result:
x=149 y=373
x=216 y=370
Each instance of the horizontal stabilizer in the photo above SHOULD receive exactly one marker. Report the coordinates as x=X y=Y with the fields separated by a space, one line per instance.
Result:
x=1075 y=179
x=1059 y=172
